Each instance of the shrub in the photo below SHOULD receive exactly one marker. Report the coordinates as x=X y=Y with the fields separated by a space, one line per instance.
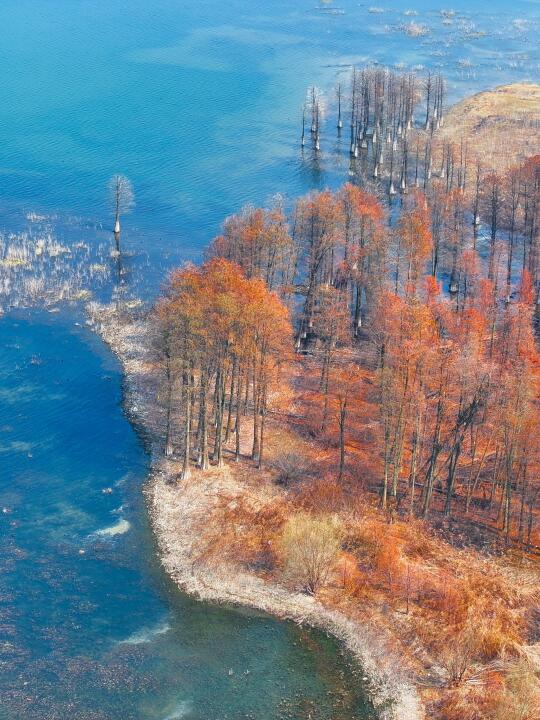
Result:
x=310 y=547
x=458 y=651
x=351 y=576
x=291 y=467
x=470 y=701
x=514 y=695
x=321 y=495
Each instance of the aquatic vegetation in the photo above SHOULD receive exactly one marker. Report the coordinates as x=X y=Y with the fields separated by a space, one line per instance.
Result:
x=119 y=528
x=181 y=710
x=415 y=30
x=146 y=635
x=36 y=269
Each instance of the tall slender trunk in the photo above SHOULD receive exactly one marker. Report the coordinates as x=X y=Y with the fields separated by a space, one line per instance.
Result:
x=168 y=437
x=237 y=424
x=220 y=403
x=451 y=478
x=414 y=460
x=342 y=420
x=187 y=382
x=231 y=400
x=204 y=463
x=435 y=451
x=256 y=416
x=524 y=486
x=384 y=494
x=263 y=422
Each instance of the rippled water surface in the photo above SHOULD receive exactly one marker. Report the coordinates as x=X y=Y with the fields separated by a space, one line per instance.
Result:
x=198 y=102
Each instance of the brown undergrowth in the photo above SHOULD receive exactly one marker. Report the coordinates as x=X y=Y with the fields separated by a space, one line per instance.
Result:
x=463 y=621
x=454 y=624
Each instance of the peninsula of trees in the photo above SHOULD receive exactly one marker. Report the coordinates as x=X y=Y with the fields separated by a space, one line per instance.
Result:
x=377 y=365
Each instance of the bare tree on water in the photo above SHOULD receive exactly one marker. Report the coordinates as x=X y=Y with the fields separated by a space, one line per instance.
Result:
x=122 y=200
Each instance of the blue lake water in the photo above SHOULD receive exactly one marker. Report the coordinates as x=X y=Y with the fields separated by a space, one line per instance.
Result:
x=198 y=102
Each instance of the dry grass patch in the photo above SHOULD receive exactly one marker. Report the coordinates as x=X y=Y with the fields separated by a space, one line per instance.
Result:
x=500 y=126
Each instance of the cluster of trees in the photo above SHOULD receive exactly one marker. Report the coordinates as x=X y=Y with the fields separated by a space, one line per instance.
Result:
x=330 y=250
x=438 y=312
x=395 y=149
x=409 y=333
x=385 y=112
x=223 y=338
x=457 y=393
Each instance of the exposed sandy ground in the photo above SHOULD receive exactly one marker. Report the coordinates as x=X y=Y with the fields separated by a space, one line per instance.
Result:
x=500 y=127
x=180 y=513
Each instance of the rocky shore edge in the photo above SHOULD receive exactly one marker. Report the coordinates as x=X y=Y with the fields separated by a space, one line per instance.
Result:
x=178 y=511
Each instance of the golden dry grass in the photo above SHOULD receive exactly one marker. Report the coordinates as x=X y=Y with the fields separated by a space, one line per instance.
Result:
x=500 y=127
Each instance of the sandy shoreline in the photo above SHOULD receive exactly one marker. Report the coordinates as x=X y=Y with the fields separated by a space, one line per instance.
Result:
x=177 y=512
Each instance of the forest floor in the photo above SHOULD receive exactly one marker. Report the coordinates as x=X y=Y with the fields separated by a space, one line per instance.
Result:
x=390 y=597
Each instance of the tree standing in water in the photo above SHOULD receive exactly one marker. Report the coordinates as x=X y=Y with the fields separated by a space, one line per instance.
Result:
x=122 y=200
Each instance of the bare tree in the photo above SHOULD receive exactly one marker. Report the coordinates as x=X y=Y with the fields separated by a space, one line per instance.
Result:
x=122 y=200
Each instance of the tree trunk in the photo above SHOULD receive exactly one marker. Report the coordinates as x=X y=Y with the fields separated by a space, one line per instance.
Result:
x=342 y=419
x=263 y=419
x=168 y=437
x=231 y=398
x=450 y=482
x=186 y=468
x=202 y=431
x=237 y=424
x=256 y=418
x=220 y=402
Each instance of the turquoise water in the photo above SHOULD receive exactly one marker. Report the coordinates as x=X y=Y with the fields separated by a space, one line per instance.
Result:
x=198 y=103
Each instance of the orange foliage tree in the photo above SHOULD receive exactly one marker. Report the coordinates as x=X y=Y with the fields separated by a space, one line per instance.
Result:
x=228 y=336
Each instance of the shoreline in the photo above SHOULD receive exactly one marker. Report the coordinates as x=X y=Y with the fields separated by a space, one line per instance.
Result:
x=177 y=511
